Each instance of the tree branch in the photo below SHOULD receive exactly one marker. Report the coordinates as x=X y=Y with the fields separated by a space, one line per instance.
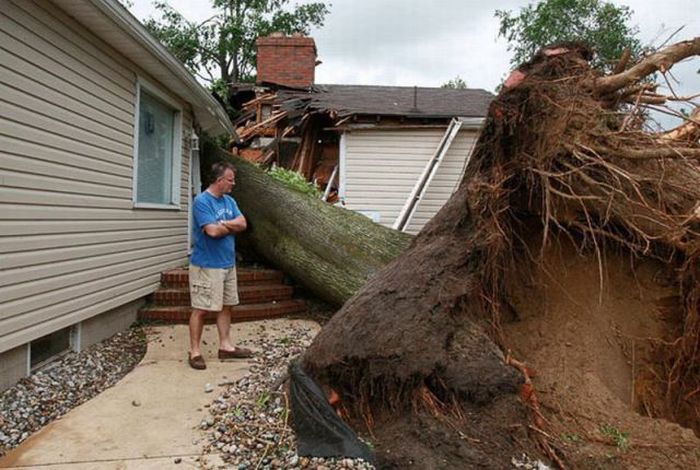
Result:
x=688 y=131
x=659 y=61
x=211 y=75
x=650 y=154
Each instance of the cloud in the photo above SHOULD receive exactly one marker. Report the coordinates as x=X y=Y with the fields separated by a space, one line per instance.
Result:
x=412 y=42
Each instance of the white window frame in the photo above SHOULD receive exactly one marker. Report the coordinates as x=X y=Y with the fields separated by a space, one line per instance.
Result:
x=152 y=89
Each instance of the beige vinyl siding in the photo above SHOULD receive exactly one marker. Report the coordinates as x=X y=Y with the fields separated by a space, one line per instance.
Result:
x=72 y=245
x=382 y=167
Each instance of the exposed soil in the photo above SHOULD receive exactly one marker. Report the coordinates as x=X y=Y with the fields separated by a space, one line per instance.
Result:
x=427 y=442
x=612 y=335
x=589 y=341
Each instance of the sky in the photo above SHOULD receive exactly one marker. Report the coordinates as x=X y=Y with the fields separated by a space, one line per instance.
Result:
x=427 y=43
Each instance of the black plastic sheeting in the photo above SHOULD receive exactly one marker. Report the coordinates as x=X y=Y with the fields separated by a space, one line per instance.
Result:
x=319 y=430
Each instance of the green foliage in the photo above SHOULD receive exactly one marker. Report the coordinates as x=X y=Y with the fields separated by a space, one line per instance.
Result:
x=620 y=438
x=221 y=50
x=262 y=400
x=237 y=412
x=294 y=180
x=285 y=340
x=600 y=24
x=456 y=83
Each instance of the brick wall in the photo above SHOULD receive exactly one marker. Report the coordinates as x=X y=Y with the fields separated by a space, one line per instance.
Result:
x=286 y=60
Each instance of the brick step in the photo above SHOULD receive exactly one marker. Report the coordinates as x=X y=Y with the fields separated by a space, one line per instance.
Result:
x=180 y=277
x=240 y=313
x=248 y=294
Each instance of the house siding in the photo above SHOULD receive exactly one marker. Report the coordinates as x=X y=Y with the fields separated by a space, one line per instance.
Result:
x=382 y=167
x=72 y=245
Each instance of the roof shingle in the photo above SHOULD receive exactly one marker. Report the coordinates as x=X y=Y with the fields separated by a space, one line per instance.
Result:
x=400 y=101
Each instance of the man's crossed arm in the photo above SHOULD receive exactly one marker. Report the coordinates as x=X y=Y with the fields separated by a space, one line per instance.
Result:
x=226 y=227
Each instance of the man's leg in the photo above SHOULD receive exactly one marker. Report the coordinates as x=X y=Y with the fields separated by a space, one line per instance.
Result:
x=204 y=298
x=223 y=320
x=196 y=329
x=223 y=325
x=226 y=349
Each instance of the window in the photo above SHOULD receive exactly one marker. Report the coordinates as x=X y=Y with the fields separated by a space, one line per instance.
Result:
x=46 y=348
x=158 y=151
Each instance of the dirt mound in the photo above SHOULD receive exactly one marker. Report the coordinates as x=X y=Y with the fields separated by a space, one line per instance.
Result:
x=607 y=311
x=588 y=331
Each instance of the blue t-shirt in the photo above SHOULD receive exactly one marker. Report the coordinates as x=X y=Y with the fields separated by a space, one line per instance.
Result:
x=211 y=252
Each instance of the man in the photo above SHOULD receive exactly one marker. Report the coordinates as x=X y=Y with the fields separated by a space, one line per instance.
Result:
x=212 y=264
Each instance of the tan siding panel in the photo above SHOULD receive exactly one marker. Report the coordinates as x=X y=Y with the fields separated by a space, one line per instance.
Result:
x=10 y=228
x=87 y=93
x=379 y=159
x=40 y=136
x=382 y=168
x=80 y=253
x=66 y=173
x=33 y=119
x=44 y=242
x=445 y=181
x=92 y=269
x=75 y=51
x=53 y=199
x=70 y=29
x=33 y=212
x=19 y=180
x=64 y=159
x=64 y=116
x=23 y=312
x=58 y=85
x=43 y=327
x=51 y=305
x=46 y=55
x=99 y=118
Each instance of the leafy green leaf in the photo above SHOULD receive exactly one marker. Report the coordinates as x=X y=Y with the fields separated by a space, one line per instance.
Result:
x=295 y=181
x=600 y=24
x=221 y=50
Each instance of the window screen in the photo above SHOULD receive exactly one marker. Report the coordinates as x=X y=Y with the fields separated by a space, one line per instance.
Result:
x=154 y=181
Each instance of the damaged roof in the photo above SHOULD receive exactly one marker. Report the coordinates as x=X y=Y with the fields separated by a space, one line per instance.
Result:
x=400 y=101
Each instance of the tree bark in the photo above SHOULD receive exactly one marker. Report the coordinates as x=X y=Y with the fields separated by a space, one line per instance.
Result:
x=661 y=61
x=330 y=250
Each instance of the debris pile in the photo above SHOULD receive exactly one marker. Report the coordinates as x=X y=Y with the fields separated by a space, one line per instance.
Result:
x=300 y=129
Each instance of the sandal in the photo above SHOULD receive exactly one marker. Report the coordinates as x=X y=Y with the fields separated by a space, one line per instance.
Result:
x=196 y=362
x=237 y=353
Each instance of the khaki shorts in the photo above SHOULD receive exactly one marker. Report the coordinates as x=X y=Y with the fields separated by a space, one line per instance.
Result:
x=211 y=289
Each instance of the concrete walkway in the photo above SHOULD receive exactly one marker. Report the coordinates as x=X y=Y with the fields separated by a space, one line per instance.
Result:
x=149 y=419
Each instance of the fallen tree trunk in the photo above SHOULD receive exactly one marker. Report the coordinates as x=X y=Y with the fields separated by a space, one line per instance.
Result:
x=415 y=354
x=330 y=250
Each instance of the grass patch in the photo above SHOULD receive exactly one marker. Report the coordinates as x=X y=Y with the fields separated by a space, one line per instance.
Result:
x=620 y=438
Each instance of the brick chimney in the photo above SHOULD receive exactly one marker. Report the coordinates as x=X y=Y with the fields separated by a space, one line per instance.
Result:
x=286 y=60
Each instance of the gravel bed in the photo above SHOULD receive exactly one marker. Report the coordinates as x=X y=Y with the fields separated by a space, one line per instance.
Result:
x=248 y=422
x=47 y=395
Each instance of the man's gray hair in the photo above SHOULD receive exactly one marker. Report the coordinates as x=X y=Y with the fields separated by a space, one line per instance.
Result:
x=219 y=168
